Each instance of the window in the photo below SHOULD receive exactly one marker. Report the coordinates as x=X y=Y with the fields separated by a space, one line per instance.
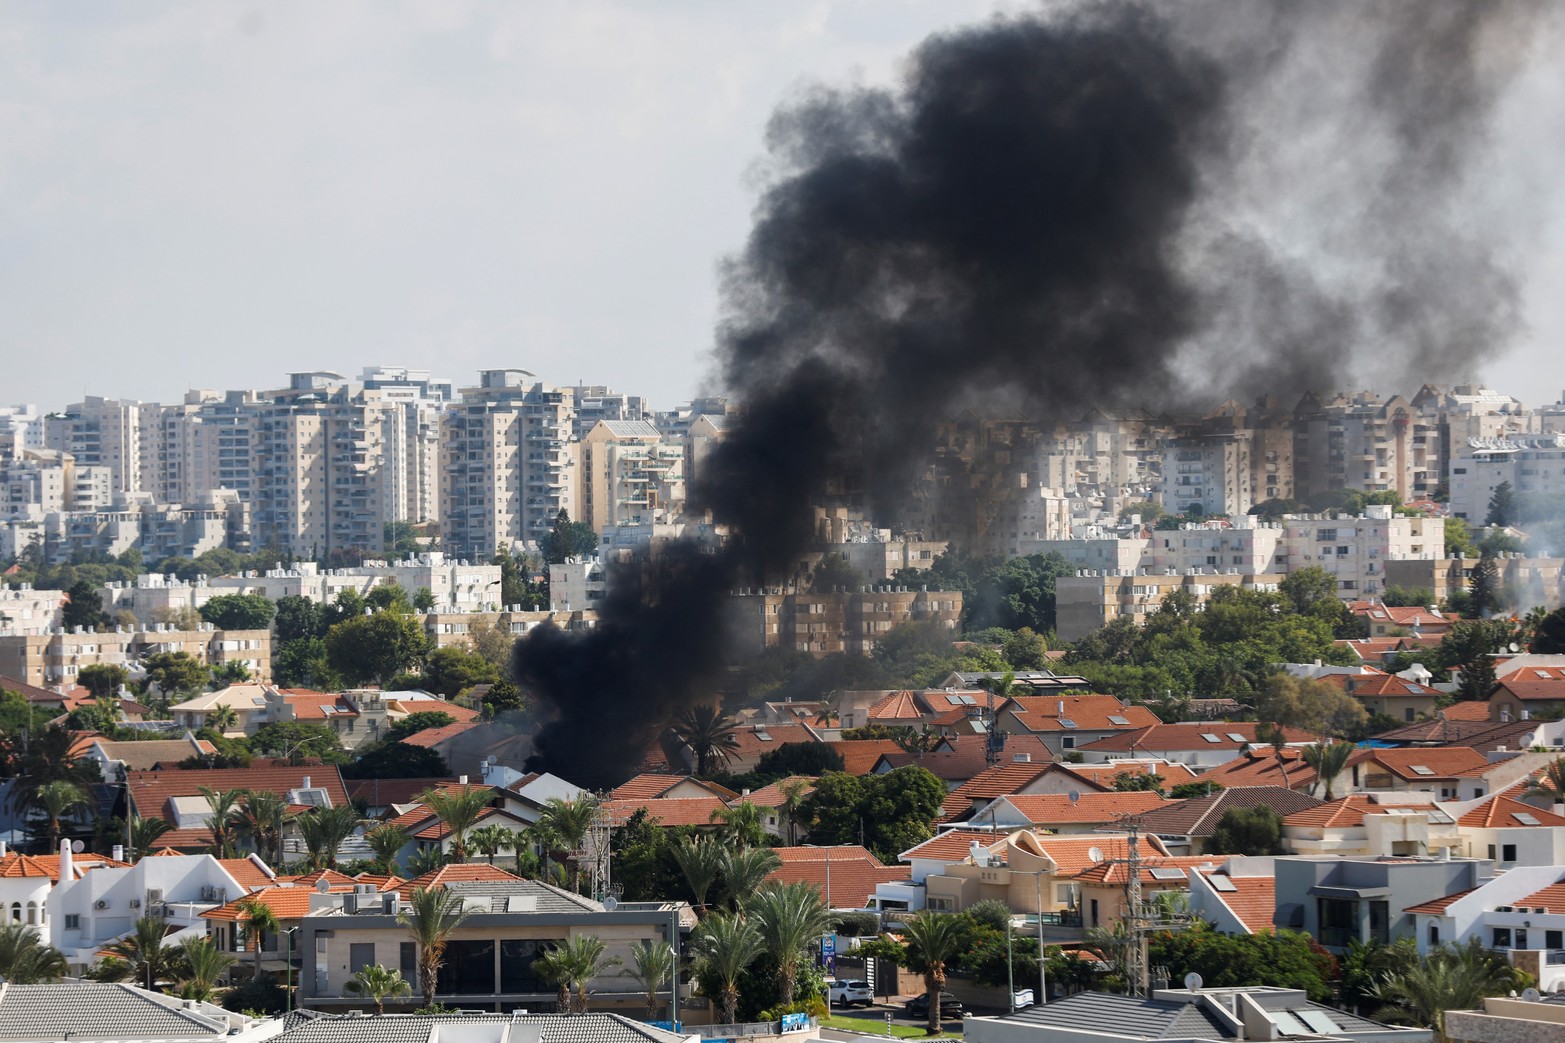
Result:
x=1554 y=939
x=409 y=960
x=1508 y=853
x=360 y=955
x=1434 y=935
x=1094 y=912
x=73 y=922
x=1502 y=938
x=1068 y=742
x=1491 y=852
x=16 y=911
x=1409 y=714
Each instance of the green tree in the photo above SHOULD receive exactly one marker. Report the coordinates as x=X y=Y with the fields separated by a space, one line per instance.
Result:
x=833 y=573
x=652 y=966
x=1483 y=587
x=396 y=760
x=389 y=597
x=200 y=965
x=377 y=983
x=424 y=600
x=430 y=917
x=1366 y=965
x=376 y=648
x=25 y=959
x=584 y=959
x=387 y=841
x=400 y=539
x=84 y=607
x=103 y=680
x=1247 y=831
x=741 y=824
x=1548 y=637
x=503 y=698
x=1407 y=597
x=298 y=618
x=710 y=736
x=570 y=821
x=57 y=800
x=297 y=740
x=1314 y=706
x=324 y=830
x=701 y=862
x=1329 y=759
x=144 y=951
x=144 y=833
x=239 y=612
x=1308 y=588
x=789 y=917
x=799 y=758
x=176 y=673
x=568 y=539
x=1468 y=646
x=1283 y=959
x=744 y=870
x=931 y=940
x=893 y=812
x=1459 y=539
x=458 y=809
x=725 y=945
x=450 y=671
x=1452 y=978
x=304 y=663
x=224 y=820
x=515 y=586
x=419 y=721
x=490 y=840
x=260 y=820
x=1502 y=505
x=348 y=604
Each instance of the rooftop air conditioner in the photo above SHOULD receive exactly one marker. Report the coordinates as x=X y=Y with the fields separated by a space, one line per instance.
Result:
x=100 y=904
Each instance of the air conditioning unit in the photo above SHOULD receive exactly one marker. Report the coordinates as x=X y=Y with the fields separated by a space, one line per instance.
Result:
x=350 y=902
x=100 y=904
x=135 y=903
x=154 y=895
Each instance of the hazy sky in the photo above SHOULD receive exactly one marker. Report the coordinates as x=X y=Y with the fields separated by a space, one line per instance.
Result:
x=212 y=195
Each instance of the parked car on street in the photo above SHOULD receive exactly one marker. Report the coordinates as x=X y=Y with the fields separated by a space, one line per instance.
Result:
x=918 y=1006
x=850 y=992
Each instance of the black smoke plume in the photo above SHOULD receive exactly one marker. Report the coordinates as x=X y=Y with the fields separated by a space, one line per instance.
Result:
x=1111 y=204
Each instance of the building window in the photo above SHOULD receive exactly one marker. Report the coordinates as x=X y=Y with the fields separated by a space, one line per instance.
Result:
x=73 y=922
x=409 y=960
x=1508 y=853
x=1554 y=939
x=1434 y=935
x=1502 y=938
x=1068 y=742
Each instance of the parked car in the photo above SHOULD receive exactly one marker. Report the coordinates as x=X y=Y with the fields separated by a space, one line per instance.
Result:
x=918 y=1006
x=850 y=992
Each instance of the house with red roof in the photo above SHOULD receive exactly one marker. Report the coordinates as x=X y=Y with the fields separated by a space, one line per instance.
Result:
x=1387 y=694
x=26 y=880
x=960 y=758
x=1435 y=770
x=1394 y=620
x=290 y=902
x=753 y=741
x=1373 y=825
x=176 y=797
x=846 y=875
x=1527 y=691
x=1064 y=814
x=1520 y=913
x=1198 y=745
x=1068 y=722
x=426 y=832
x=773 y=800
x=1286 y=768
x=1238 y=897
x=1102 y=886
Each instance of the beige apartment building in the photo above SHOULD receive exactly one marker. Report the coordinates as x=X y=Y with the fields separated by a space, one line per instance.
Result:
x=630 y=475
x=58 y=657
x=1094 y=599
x=824 y=624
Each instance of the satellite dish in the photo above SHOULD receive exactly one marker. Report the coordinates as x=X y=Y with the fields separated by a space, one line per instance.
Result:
x=610 y=903
x=1513 y=647
x=1094 y=854
x=78 y=847
x=1074 y=795
x=1193 y=981
x=1532 y=995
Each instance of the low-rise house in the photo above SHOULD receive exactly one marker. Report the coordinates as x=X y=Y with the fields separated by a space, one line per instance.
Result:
x=228 y=925
x=427 y=833
x=1106 y=775
x=1386 y=694
x=1508 y=833
x=1372 y=825
x=1438 y=770
x=114 y=759
x=1520 y=913
x=1239 y=897
x=1527 y=691
x=1185 y=827
x=489 y=959
x=669 y=787
x=1198 y=745
x=176 y=797
x=1104 y=886
x=773 y=801
x=1068 y=722
x=1285 y=768
x=859 y=756
x=968 y=800
x=1340 y=900
x=846 y=875
x=101 y=1012
x=1398 y=620
x=960 y=758
x=27 y=880
x=1065 y=814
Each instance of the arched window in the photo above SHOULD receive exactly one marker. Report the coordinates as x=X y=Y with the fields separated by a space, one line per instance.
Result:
x=16 y=911
x=32 y=912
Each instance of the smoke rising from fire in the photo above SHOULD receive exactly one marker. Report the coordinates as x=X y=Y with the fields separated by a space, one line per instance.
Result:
x=1108 y=204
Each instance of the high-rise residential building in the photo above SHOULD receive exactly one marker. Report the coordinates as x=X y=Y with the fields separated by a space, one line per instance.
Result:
x=594 y=402
x=630 y=475
x=1364 y=442
x=509 y=463
x=101 y=432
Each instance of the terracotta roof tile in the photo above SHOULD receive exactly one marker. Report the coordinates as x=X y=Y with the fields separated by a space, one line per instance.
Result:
x=860 y=755
x=1344 y=812
x=1528 y=686
x=249 y=875
x=1467 y=710
x=1071 y=854
x=853 y=880
x=772 y=796
x=453 y=874
x=648 y=786
x=1043 y=713
x=1160 y=738
x=1379 y=684
x=671 y=811
x=951 y=845
x=1551 y=899
x=286 y=901
x=845 y=852
x=757 y=739
x=1501 y=811
x=895 y=706
x=1048 y=809
x=998 y=781
x=968 y=755
x=1103 y=775
x=1442 y=762
x=432 y=737
x=16 y=865
x=1439 y=905
x=151 y=790
x=1112 y=873
x=1253 y=900
x=1268 y=767
x=312 y=706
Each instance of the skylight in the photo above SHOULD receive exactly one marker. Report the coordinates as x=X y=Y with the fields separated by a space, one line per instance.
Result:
x=1289 y=1025
x=1065 y=722
x=1209 y=737
x=1525 y=818
x=1167 y=873
x=1419 y=769
x=1545 y=673
x=1115 y=718
x=1236 y=737
x=1221 y=883
x=1317 y=1020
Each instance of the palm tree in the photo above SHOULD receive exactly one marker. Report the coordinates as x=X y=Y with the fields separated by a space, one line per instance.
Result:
x=741 y=824
x=710 y=736
x=202 y=965
x=144 y=832
x=259 y=921
x=933 y=938
x=432 y=914
x=554 y=967
x=726 y=944
x=324 y=830
x=702 y=862
x=425 y=860
x=1551 y=783
x=24 y=957
x=542 y=838
x=386 y=840
x=490 y=840
x=583 y=956
x=744 y=871
x=225 y=810
x=569 y=822
x=144 y=950
x=788 y=916
x=261 y=821
x=794 y=793
x=1329 y=759
x=222 y=719
x=377 y=983
x=652 y=965
x=458 y=809
x=55 y=799
x=1451 y=978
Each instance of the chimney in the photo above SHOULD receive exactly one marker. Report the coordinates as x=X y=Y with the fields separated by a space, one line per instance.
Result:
x=119 y=852
x=67 y=870
x=2 y=849
x=461 y=780
x=305 y=783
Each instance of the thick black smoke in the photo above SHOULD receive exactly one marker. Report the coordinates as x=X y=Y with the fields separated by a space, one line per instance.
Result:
x=1083 y=208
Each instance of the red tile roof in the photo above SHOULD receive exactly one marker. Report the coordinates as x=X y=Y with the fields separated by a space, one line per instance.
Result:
x=151 y=791
x=452 y=874
x=287 y=901
x=1043 y=713
x=248 y=875
x=1403 y=616
x=1534 y=684
x=432 y=737
x=998 y=781
x=17 y=866
x=1071 y=854
x=1264 y=766
x=312 y=706
x=669 y=811
x=1049 y=809
x=853 y=880
x=1439 y=905
x=968 y=755
x=844 y=852
x=1117 y=873
x=1500 y=811
x=951 y=845
x=772 y=796
x=1344 y=812
x=1159 y=738
x=1103 y=775
x=1551 y=899
x=1379 y=684
x=895 y=706
x=1253 y=900
x=860 y=755
x=1467 y=710
x=646 y=787
x=1442 y=761
x=756 y=739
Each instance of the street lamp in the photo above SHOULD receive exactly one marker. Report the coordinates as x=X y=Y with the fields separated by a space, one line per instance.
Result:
x=287 y=934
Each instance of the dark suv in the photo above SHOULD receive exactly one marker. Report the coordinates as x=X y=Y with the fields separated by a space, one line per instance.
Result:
x=918 y=1006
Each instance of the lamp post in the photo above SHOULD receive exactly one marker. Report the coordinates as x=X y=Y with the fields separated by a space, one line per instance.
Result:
x=673 y=947
x=1043 y=985
x=287 y=934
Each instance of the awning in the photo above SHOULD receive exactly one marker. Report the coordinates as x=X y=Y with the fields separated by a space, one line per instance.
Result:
x=1350 y=892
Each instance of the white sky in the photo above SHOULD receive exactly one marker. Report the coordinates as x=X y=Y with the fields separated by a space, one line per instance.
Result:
x=212 y=195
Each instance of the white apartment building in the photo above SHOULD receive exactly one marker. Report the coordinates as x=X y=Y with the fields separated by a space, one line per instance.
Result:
x=101 y=432
x=458 y=585
x=24 y=610
x=1534 y=465
x=510 y=463
x=576 y=584
x=630 y=475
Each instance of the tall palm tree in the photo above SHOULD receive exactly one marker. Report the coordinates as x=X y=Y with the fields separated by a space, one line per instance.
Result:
x=387 y=840
x=425 y=860
x=48 y=759
x=788 y=916
x=225 y=811
x=1329 y=759
x=458 y=809
x=144 y=950
x=652 y=965
x=933 y=938
x=431 y=915
x=490 y=840
x=324 y=830
x=25 y=959
x=259 y=921
x=56 y=799
x=710 y=736
x=260 y=820
x=144 y=832
x=584 y=956
x=555 y=968
x=702 y=862
x=543 y=840
x=744 y=870
x=794 y=793
x=569 y=822
x=741 y=824
x=201 y=965
x=377 y=983
x=1451 y=978
x=1551 y=783
x=726 y=944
